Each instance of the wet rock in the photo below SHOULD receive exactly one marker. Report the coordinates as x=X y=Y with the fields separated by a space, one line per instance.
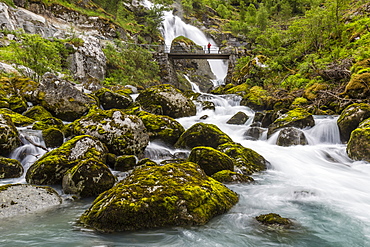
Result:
x=163 y=128
x=263 y=119
x=238 y=119
x=125 y=163
x=9 y=95
x=208 y=105
x=88 y=178
x=110 y=100
x=37 y=113
x=9 y=136
x=350 y=118
x=18 y=119
x=246 y=159
x=274 y=220
x=61 y=98
x=291 y=136
x=51 y=167
x=358 y=86
x=358 y=147
x=254 y=133
x=201 y=134
x=121 y=133
x=53 y=137
x=298 y=118
x=211 y=160
x=172 y=102
x=227 y=177
x=172 y=194
x=21 y=199
x=10 y=168
x=51 y=122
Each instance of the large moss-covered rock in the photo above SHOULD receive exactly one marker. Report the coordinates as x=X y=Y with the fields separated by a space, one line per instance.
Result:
x=246 y=159
x=125 y=163
x=227 y=176
x=256 y=99
x=110 y=100
x=121 y=133
x=38 y=113
x=61 y=98
x=10 y=168
x=359 y=86
x=51 y=167
x=358 y=147
x=18 y=119
x=211 y=160
x=9 y=136
x=10 y=97
x=298 y=118
x=50 y=122
x=160 y=196
x=161 y=127
x=202 y=134
x=350 y=118
x=88 y=178
x=291 y=136
x=21 y=199
x=170 y=99
x=53 y=137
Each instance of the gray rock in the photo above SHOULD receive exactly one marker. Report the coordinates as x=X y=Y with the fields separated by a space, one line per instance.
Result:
x=291 y=136
x=20 y=199
x=238 y=119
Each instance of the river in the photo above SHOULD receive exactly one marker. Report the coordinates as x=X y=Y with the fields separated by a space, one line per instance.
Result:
x=316 y=185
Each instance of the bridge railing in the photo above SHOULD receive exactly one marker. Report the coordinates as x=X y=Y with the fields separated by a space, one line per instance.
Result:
x=196 y=49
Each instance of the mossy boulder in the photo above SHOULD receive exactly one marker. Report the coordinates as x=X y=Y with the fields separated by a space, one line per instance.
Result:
x=50 y=122
x=10 y=96
x=291 y=136
x=238 y=119
x=299 y=102
x=211 y=160
x=359 y=86
x=113 y=100
x=227 y=177
x=125 y=163
x=172 y=102
x=350 y=118
x=37 y=113
x=53 y=137
x=311 y=92
x=202 y=134
x=10 y=168
x=298 y=118
x=61 y=98
x=160 y=127
x=247 y=160
x=358 y=147
x=256 y=99
x=121 y=133
x=274 y=220
x=51 y=167
x=18 y=119
x=21 y=199
x=160 y=196
x=88 y=178
x=9 y=136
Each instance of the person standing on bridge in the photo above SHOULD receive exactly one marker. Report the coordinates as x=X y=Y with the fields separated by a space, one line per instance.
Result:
x=209 y=47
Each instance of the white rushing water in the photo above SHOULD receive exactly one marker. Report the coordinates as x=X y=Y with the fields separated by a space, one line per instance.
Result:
x=317 y=186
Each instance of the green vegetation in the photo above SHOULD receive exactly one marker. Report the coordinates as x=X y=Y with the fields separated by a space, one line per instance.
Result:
x=130 y=65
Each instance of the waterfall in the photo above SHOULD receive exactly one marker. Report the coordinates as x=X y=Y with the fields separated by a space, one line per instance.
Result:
x=173 y=26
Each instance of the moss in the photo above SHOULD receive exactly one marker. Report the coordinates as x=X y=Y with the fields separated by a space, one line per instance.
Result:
x=239 y=89
x=358 y=147
x=53 y=137
x=10 y=168
x=311 y=92
x=246 y=159
x=211 y=160
x=125 y=163
x=18 y=119
x=299 y=102
x=227 y=176
x=163 y=128
x=172 y=194
x=273 y=219
x=358 y=86
x=38 y=113
x=256 y=98
x=50 y=122
x=201 y=134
